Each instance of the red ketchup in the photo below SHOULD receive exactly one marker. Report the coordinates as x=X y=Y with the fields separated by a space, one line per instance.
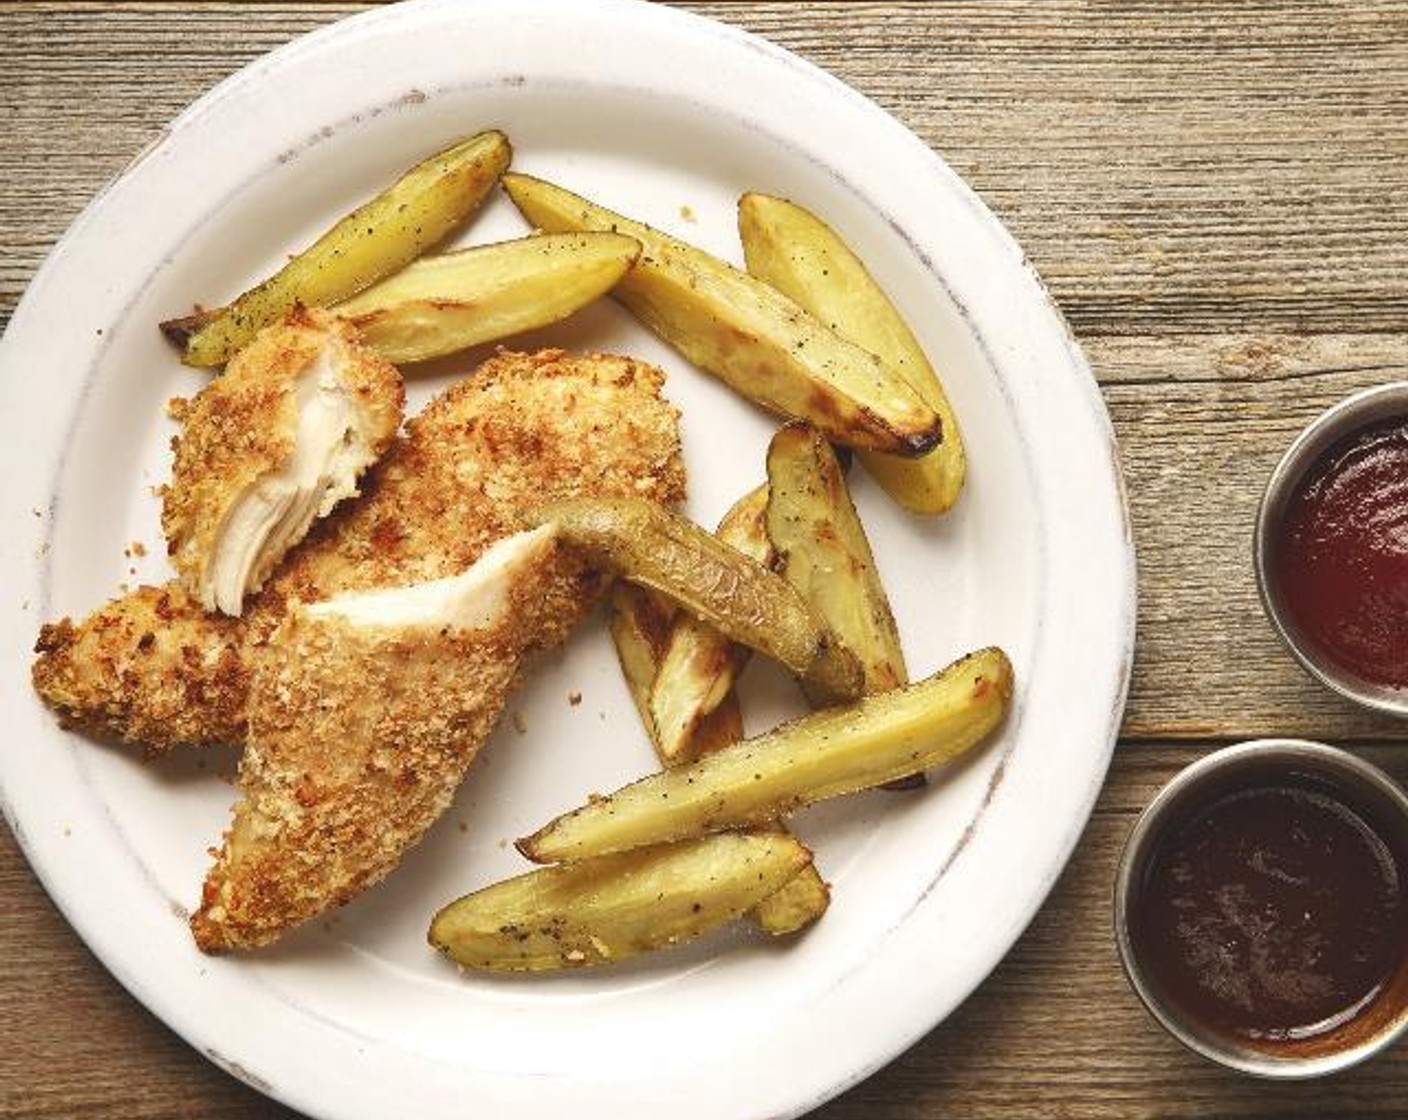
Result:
x=1340 y=555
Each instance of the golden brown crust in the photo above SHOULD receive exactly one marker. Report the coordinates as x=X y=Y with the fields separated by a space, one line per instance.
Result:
x=523 y=429
x=243 y=425
x=359 y=737
x=149 y=668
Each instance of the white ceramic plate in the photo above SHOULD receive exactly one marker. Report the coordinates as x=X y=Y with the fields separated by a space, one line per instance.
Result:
x=668 y=117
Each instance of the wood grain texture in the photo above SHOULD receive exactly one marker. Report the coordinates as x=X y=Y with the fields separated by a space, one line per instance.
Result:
x=1202 y=421
x=1213 y=166
x=1197 y=449
x=1055 y=1031
x=1217 y=194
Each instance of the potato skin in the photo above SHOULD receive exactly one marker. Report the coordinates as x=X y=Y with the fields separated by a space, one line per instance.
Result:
x=826 y=754
x=801 y=256
x=824 y=552
x=616 y=906
x=442 y=304
x=698 y=663
x=655 y=548
x=417 y=211
x=749 y=335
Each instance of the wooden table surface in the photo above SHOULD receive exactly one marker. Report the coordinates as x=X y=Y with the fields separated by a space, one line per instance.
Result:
x=1217 y=194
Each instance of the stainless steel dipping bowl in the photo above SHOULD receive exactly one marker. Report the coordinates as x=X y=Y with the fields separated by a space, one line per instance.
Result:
x=1265 y=761
x=1349 y=415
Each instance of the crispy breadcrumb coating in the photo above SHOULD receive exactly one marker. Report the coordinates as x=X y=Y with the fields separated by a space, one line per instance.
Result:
x=360 y=734
x=523 y=427
x=151 y=667
x=245 y=480
x=522 y=430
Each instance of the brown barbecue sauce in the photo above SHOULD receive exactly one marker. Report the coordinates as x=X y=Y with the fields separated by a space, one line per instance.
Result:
x=1273 y=913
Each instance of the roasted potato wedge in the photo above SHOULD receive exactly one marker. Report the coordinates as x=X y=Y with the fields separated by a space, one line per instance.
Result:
x=825 y=754
x=640 y=622
x=375 y=240
x=826 y=556
x=442 y=304
x=802 y=257
x=650 y=546
x=695 y=678
x=616 y=906
x=720 y=728
x=746 y=333
x=801 y=901
x=699 y=663
x=824 y=552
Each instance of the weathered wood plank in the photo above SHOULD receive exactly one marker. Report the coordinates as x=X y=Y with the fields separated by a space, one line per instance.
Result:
x=1054 y=1031
x=1205 y=167
x=1202 y=421
x=1216 y=193
x=1196 y=454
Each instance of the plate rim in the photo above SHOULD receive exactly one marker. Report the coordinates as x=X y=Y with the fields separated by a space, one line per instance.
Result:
x=688 y=24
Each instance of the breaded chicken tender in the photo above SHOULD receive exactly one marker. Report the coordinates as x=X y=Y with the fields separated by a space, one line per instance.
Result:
x=270 y=446
x=522 y=430
x=151 y=668
x=364 y=713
